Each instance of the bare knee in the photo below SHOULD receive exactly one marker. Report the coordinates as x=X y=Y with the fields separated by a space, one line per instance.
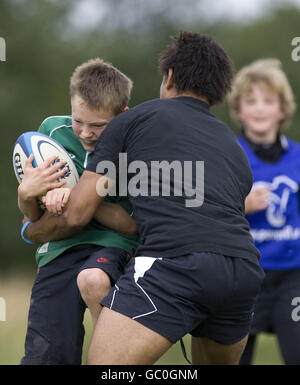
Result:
x=94 y=284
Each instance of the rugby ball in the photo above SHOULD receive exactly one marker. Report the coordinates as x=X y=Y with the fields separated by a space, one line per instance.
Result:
x=42 y=147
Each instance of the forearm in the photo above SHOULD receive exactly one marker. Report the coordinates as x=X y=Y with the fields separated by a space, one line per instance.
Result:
x=51 y=228
x=76 y=214
x=29 y=206
x=112 y=215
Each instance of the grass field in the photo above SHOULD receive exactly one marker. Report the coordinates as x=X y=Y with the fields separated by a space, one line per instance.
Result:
x=16 y=293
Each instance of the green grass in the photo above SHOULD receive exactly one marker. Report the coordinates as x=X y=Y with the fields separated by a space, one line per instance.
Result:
x=16 y=292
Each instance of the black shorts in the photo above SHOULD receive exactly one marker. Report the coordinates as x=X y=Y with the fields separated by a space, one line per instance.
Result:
x=204 y=294
x=55 y=330
x=112 y=260
x=278 y=303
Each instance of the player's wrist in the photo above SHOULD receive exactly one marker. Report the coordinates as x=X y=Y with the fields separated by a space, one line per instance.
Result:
x=24 y=233
x=24 y=194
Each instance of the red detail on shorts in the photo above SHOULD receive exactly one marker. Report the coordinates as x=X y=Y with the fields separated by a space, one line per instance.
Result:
x=128 y=256
x=101 y=259
x=38 y=270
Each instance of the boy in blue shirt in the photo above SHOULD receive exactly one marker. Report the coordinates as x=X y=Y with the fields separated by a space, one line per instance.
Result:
x=262 y=100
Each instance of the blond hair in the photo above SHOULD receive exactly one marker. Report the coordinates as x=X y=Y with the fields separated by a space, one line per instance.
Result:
x=101 y=86
x=267 y=72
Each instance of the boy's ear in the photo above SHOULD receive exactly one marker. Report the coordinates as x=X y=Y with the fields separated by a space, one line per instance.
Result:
x=169 y=80
x=125 y=109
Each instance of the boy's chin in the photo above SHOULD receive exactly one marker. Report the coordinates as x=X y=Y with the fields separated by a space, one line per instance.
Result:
x=263 y=129
x=89 y=148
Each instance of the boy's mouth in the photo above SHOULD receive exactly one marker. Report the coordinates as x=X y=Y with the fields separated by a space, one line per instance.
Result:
x=89 y=144
x=260 y=119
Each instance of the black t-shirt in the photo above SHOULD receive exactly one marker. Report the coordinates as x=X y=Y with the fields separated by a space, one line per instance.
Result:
x=182 y=129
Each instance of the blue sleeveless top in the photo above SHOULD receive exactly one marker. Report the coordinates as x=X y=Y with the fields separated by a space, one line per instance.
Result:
x=276 y=230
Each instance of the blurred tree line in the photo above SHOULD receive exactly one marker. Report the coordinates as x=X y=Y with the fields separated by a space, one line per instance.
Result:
x=43 y=47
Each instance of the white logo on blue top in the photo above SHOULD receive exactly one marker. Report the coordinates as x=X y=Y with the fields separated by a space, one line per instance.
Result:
x=280 y=190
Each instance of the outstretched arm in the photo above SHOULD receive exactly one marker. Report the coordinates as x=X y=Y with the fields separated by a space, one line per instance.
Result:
x=111 y=215
x=82 y=205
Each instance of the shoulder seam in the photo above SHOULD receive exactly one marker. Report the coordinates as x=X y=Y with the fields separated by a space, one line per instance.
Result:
x=56 y=128
x=55 y=116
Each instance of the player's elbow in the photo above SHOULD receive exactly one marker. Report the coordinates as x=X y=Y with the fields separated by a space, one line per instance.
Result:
x=74 y=221
x=124 y=224
x=131 y=229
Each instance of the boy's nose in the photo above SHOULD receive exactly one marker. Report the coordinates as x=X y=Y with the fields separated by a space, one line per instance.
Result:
x=86 y=133
x=260 y=105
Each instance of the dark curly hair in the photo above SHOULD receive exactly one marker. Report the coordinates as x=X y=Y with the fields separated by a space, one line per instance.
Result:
x=199 y=65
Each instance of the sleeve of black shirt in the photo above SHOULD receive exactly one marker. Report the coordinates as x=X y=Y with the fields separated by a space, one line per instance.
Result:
x=112 y=141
